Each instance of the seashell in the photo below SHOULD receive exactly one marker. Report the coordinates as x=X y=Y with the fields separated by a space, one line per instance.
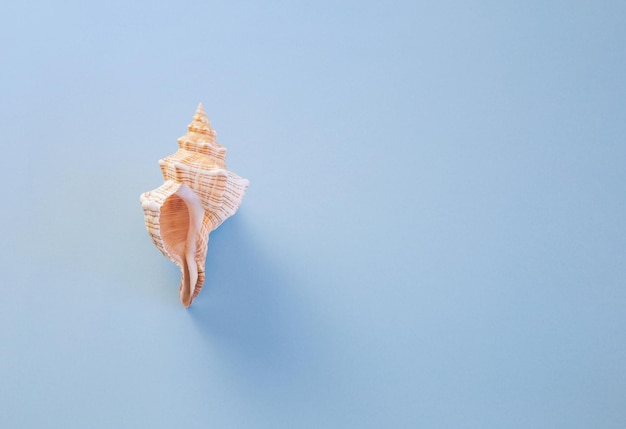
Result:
x=199 y=193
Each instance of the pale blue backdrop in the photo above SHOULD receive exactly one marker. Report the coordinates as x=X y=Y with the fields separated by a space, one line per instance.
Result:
x=434 y=234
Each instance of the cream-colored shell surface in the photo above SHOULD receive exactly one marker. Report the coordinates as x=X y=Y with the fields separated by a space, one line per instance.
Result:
x=199 y=193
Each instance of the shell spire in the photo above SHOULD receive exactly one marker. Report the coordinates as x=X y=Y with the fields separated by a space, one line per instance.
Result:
x=200 y=123
x=198 y=194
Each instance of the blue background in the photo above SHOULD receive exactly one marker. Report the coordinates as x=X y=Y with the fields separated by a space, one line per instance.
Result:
x=434 y=234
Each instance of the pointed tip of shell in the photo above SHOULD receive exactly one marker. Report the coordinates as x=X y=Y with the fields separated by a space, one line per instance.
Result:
x=200 y=122
x=200 y=110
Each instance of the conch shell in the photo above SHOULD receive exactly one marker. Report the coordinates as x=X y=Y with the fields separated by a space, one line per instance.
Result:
x=199 y=194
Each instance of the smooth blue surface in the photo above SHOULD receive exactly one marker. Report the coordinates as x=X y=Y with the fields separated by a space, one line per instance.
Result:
x=434 y=235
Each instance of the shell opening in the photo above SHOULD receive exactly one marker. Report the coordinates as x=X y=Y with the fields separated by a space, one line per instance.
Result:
x=174 y=226
x=181 y=219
